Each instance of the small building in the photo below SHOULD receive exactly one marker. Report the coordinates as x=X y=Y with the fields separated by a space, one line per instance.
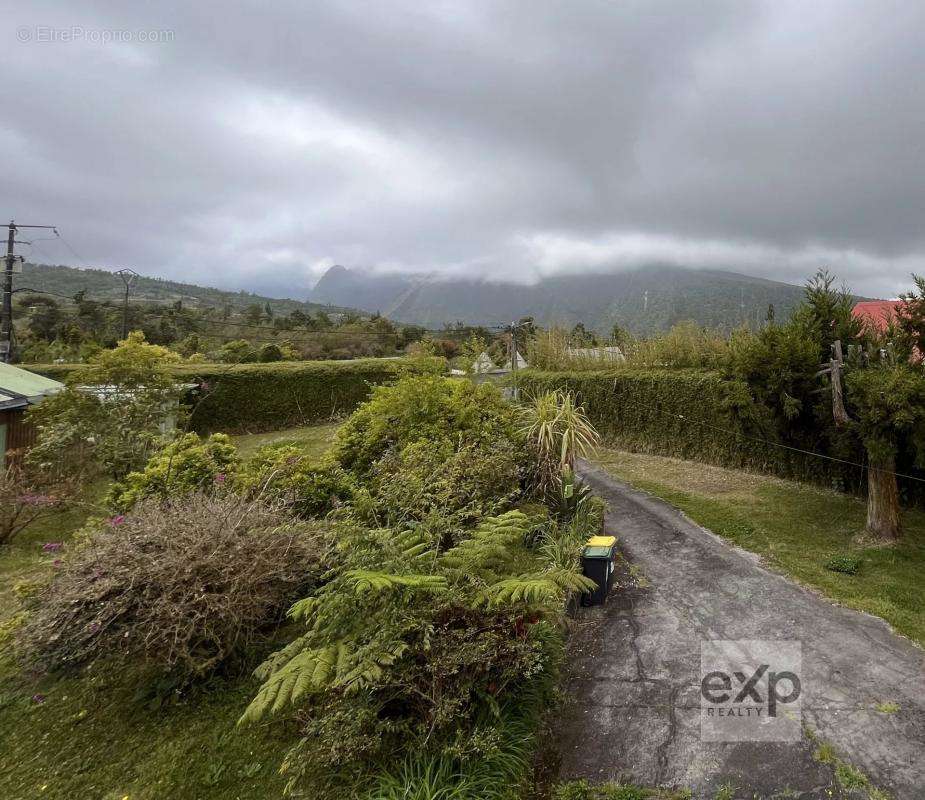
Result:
x=483 y=365
x=20 y=389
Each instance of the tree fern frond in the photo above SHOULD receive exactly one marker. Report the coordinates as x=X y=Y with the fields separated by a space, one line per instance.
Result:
x=365 y=581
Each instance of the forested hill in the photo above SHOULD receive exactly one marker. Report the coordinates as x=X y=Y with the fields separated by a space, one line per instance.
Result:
x=644 y=300
x=100 y=285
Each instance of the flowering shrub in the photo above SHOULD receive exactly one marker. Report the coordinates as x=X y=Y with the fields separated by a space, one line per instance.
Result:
x=178 y=585
x=26 y=497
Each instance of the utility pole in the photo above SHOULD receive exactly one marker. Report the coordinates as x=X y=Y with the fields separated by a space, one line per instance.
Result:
x=129 y=276
x=516 y=393
x=6 y=315
x=833 y=370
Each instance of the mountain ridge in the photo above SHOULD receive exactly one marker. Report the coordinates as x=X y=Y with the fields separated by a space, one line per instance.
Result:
x=644 y=300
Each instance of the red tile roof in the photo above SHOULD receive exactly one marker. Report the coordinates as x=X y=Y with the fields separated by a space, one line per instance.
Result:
x=876 y=313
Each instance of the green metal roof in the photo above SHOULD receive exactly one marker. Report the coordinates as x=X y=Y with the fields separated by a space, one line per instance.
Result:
x=15 y=381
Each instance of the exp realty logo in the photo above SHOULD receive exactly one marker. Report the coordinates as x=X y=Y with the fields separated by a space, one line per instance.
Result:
x=750 y=690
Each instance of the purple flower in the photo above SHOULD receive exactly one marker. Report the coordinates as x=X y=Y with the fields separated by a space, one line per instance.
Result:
x=38 y=698
x=118 y=519
x=52 y=547
x=220 y=478
x=94 y=627
x=57 y=562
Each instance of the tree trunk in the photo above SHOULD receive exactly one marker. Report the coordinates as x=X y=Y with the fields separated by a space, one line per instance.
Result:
x=883 y=500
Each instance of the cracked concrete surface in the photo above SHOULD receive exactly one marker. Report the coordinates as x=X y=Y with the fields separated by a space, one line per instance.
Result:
x=634 y=674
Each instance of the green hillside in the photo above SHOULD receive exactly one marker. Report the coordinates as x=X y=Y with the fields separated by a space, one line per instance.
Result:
x=101 y=285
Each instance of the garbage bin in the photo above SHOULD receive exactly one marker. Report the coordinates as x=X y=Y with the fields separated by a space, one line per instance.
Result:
x=598 y=561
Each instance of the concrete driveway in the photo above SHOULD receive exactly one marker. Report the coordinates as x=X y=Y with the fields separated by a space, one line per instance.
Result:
x=635 y=672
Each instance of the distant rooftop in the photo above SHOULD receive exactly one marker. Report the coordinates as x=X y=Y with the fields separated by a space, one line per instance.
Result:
x=19 y=387
x=876 y=313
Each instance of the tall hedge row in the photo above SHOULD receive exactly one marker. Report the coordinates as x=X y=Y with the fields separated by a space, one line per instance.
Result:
x=257 y=397
x=692 y=414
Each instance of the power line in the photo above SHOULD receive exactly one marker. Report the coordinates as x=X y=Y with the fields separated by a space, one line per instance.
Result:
x=771 y=443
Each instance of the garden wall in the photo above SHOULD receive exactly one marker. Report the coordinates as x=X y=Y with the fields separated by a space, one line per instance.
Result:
x=692 y=414
x=241 y=398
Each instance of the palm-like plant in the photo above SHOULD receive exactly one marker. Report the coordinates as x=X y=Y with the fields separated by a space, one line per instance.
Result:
x=559 y=430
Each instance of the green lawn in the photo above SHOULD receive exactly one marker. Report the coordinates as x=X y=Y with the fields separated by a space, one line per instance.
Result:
x=315 y=439
x=92 y=737
x=797 y=529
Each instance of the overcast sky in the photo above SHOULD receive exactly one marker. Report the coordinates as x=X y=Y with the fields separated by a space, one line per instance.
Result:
x=251 y=145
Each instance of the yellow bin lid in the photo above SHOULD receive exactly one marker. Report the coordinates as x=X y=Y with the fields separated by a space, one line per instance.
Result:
x=601 y=541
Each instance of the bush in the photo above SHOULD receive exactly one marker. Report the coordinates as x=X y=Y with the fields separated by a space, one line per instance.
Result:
x=461 y=485
x=283 y=472
x=26 y=497
x=846 y=564
x=424 y=408
x=185 y=466
x=180 y=587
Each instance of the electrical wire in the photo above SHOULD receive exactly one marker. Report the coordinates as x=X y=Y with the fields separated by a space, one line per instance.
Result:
x=760 y=440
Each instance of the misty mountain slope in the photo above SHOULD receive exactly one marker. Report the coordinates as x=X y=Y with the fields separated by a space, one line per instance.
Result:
x=100 y=284
x=643 y=300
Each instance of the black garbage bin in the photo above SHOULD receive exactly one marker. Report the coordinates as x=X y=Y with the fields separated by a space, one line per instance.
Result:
x=598 y=563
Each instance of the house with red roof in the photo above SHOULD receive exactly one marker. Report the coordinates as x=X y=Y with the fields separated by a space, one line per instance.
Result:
x=876 y=314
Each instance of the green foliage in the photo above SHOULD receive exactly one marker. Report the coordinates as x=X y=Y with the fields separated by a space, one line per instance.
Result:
x=458 y=484
x=237 y=351
x=847 y=564
x=558 y=431
x=825 y=315
x=779 y=364
x=112 y=413
x=285 y=472
x=430 y=639
x=425 y=408
x=909 y=337
x=685 y=345
x=888 y=403
x=188 y=464
x=179 y=587
x=253 y=397
x=684 y=413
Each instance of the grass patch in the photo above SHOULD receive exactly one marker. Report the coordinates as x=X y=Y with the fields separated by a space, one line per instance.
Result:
x=582 y=790
x=797 y=529
x=315 y=439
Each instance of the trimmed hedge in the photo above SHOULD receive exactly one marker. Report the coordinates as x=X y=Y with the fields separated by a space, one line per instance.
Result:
x=256 y=397
x=692 y=414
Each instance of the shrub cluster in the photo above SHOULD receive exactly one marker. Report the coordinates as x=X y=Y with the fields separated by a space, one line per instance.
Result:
x=186 y=465
x=282 y=472
x=178 y=586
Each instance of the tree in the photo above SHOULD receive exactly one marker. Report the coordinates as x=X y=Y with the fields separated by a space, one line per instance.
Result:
x=112 y=413
x=254 y=314
x=620 y=336
x=909 y=325
x=888 y=402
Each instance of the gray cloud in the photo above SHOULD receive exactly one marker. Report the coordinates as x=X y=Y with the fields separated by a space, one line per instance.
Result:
x=262 y=142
